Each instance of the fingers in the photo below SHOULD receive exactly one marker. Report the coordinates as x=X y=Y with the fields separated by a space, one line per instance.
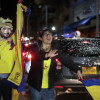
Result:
x=80 y=78
x=55 y=50
x=79 y=75
x=56 y=54
x=53 y=53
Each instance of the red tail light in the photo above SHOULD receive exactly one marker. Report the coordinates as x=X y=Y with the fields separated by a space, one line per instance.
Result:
x=26 y=44
x=29 y=56
x=59 y=86
x=85 y=42
x=23 y=53
x=71 y=50
x=57 y=60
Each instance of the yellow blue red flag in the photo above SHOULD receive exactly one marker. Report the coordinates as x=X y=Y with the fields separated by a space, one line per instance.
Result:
x=93 y=87
x=16 y=78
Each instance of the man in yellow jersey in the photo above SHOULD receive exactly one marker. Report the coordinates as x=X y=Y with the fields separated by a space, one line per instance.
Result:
x=42 y=71
x=7 y=56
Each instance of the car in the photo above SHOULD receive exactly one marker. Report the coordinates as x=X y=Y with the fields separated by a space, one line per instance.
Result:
x=27 y=56
x=86 y=53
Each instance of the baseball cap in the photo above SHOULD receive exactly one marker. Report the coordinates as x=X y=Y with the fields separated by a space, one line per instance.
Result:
x=44 y=30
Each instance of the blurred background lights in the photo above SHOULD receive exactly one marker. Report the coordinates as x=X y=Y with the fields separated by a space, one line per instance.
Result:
x=53 y=28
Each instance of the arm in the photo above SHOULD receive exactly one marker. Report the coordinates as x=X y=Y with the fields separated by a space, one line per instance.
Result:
x=65 y=60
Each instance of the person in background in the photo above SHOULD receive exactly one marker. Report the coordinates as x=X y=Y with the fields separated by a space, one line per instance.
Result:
x=77 y=34
x=42 y=71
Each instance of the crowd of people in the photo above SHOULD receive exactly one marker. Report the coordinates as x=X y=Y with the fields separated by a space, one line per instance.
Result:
x=42 y=71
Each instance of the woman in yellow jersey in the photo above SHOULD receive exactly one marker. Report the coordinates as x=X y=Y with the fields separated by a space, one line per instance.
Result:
x=42 y=71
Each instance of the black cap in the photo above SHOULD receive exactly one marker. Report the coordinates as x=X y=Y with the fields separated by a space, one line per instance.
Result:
x=43 y=30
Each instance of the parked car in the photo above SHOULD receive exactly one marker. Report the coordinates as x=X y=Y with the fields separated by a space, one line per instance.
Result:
x=86 y=53
x=27 y=56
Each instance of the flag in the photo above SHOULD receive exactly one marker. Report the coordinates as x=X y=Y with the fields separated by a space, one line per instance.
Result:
x=16 y=78
x=93 y=87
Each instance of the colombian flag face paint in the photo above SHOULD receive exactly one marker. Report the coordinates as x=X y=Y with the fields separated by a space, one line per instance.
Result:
x=93 y=87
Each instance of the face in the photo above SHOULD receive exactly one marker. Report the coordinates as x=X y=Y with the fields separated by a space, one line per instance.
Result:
x=5 y=31
x=47 y=37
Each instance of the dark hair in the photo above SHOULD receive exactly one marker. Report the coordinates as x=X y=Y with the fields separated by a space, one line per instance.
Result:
x=44 y=30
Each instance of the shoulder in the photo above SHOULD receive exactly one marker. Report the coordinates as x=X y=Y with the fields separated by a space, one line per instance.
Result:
x=35 y=46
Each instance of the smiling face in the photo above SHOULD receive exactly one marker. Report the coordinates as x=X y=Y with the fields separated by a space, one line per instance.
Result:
x=5 y=31
x=46 y=37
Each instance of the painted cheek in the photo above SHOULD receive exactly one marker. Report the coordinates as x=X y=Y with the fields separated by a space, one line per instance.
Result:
x=5 y=31
x=9 y=31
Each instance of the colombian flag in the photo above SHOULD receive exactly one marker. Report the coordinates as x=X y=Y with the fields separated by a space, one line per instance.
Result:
x=93 y=87
x=16 y=78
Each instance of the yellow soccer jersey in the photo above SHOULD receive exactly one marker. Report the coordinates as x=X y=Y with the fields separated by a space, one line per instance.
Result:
x=7 y=56
x=46 y=68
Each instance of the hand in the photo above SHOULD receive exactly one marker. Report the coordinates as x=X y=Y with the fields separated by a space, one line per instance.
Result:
x=24 y=93
x=52 y=53
x=79 y=75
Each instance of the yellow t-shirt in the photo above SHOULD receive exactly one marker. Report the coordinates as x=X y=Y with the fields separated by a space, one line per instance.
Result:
x=7 y=57
x=46 y=68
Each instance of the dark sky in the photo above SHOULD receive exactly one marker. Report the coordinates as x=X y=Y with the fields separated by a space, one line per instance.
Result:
x=8 y=8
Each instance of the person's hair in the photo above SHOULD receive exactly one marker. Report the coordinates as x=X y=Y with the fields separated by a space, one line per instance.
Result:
x=6 y=22
x=41 y=33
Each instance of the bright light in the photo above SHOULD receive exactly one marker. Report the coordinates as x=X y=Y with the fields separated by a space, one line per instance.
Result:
x=26 y=38
x=53 y=28
x=85 y=42
x=23 y=53
x=29 y=56
x=26 y=44
x=78 y=34
x=56 y=60
x=59 y=86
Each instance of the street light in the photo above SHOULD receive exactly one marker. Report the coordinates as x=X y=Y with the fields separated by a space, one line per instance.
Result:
x=53 y=28
x=46 y=16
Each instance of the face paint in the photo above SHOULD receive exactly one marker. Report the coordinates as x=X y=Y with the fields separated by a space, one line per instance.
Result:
x=5 y=31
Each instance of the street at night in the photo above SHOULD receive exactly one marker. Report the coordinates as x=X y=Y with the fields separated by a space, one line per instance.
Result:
x=49 y=49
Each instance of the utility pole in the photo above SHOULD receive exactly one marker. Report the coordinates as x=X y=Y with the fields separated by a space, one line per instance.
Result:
x=27 y=27
x=46 y=19
x=97 y=18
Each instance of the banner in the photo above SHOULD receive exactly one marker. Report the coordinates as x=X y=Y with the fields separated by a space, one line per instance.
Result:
x=16 y=78
x=93 y=87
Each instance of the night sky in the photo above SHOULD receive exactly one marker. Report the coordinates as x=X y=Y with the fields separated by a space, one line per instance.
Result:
x=8 y=8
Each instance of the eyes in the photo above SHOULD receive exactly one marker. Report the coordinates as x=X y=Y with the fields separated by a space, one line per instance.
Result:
x=46 y=34
x=6 y=28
